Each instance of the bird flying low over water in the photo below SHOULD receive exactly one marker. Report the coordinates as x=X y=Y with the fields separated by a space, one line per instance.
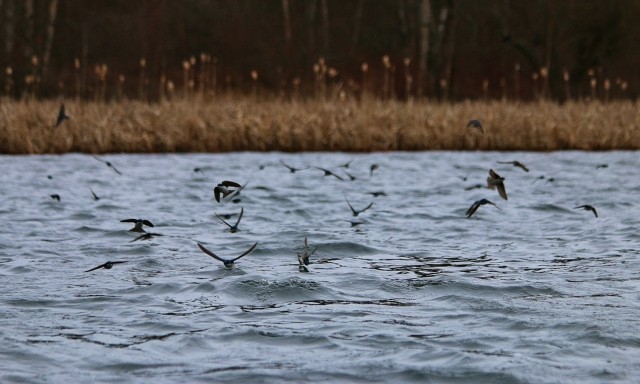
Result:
x=329 y=173
x=232 y=228
x=146 y=236
x=477 y=205
x=292 y=169
x=107 y=265
x=138 y=223
x=108 y=164
x=62 y=116
x=353 y=210
x=303 y=259
x=588 y=208
x=226 y=188
x=228 y=263
x=55 y=197
x=473 y=123
x=372 y=168
x=95 y=197
x=495 y=181
x=515 y=163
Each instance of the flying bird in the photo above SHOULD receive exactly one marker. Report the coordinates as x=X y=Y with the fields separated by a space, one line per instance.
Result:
x=303 y=259
x=146 y=236
x=107 y=265
x=228 y=263
x=329 y=173
x=354 y=211
x=372 y=168
x=477 y=205
x=588 y=208
x=350 y=176
x=232 y=228
x=475 y=124
x=495 y=181
x=62 y=116
x=55 y=197
x=515 y=163
x=346 y=165
x=108 y=164
x=138 y=223
x=292 y=169
x=225 y=189
x=377 y=193
x=95 y=197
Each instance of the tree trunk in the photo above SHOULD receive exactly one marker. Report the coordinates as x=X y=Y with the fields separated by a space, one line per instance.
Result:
x=286 y=13
x=46 y=54
x=423 y=50
x=449 y=46
x=29 y=31
x=357 y=22
x=9 y=23
x=325 y=25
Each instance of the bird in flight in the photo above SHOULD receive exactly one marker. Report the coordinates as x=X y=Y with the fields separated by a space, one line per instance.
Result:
x=473 y=123
x=95 y=197
x=588 y=208
x=55 y=197
x=303 y=259
x=62 y=116
x=232 y=228
x=372 y=168
x=477 y=205
x=146 y=236
x=329 y=173
x=495 y=181
x=108 y=164
x=353 y=210
x=515 y=163
x=107 y=265
x=292 y=169
x=228 y=263
x=138 y=223
x=225 y=189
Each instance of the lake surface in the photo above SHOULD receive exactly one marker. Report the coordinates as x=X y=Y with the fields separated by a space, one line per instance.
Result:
x=533 y=292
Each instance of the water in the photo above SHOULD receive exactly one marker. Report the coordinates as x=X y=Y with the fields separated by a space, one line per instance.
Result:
x=535 y=291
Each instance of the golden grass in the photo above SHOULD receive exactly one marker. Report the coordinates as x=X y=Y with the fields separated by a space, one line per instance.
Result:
x=224 y=124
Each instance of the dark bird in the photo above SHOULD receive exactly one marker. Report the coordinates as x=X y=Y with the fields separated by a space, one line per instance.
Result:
x=232 y=228
x=225 y=189
x=372 y=168
x=198 y=170
x=62 y=116
x=515 y=163
x=138 y=223
x=377 y=193
x=475 y=186
x=146 y=236
x=600 y=166
x=354 y=211
x=303 y=259
x=95 y=197
x=477 y=205
x=108 y=164
x=495 y=181
x=292 y=169
x=329 y=173
x=107 y=265
x=473 y=123
x=350 y=176
x=588 y=208
x=346 y=165
x=228 y=263
x=55 y=196
x=538 y=178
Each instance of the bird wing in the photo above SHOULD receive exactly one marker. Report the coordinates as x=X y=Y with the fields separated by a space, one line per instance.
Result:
x=115 y=169
x=367 y=207
x=349 y=204
x=472 y=209
x=502 y=191
x=493 y=174
x=247 y=251
x=221 y=219
x=216 y=194
x=594 y=211
x=129 y=221
x=519 y=164
x=144 y=236
x=208 y=252
x=147 y=223
x=98 y=267
x=228 y=183
x=239 y=217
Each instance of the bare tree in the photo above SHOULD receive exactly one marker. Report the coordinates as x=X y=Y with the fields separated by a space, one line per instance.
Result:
x=9 y=24
x=423 y=50
x=46 y=54
x=357 y=22
x=288 y=39
x=324 y=8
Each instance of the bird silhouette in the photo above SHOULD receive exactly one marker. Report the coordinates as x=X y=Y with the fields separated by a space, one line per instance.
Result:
x=62 y=116
x=95 y=197
x=476 y=124
x=228 y=263
x=588 y=208
x=515 y=163
x=495 y=181
x=146 y=236
x=108 y=163
x=303 y=258
x=292 y=169
x=224 y=189
x=138 y=223
x=329 y=173
x=353 y=210
x=107 y=265
x=232 y=228
x=55 y=197
x=477 y=205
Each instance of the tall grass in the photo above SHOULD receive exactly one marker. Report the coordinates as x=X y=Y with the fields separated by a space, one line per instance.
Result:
x=244 y=124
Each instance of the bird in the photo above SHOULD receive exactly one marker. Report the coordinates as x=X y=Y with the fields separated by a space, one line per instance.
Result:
x=377 y=193
x=515 y=163
x=232 y=228
x=225 y=189
x=292 y=169
x=138 y=223
x=588 y=208
x=107 y=265
x=477 y=205
x=354 y=211
x=228 y=263
x=198 y=170
x=108 y=164
x=473 y=123
x=303 y=259
x=95 y=197
x=55 y=197
x=601 y=166
x=146 y=236
x=346 y=165
x=329 y=173
x=62 y=116
x=372 y=168
x=350 y=176
x=475 y=186
x=495 y=181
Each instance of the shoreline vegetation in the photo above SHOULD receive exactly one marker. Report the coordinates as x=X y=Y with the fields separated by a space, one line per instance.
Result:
x=225 y=124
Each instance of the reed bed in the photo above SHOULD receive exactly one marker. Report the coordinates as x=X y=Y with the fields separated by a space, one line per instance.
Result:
x=244 y=124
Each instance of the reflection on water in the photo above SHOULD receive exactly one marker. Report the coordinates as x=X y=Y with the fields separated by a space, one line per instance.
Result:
x=407 y=290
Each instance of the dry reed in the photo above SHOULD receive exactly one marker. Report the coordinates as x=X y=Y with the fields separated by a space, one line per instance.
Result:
x=227 y=124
